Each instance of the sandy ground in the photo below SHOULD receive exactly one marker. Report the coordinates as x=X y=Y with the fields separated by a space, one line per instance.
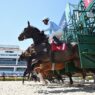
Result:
x=32 y=88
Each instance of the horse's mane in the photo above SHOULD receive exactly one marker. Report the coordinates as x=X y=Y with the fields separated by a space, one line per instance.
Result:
x=38 y=36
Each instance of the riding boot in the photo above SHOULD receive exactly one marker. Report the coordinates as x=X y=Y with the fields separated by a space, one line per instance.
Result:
x=57 y=40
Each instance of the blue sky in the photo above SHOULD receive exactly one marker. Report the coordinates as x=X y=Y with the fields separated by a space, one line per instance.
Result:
x=14 y=15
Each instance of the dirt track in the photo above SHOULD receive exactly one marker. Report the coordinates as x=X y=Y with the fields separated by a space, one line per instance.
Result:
x=32 y=88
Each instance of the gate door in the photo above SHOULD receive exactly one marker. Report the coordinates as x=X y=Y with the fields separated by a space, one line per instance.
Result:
x=86 y=46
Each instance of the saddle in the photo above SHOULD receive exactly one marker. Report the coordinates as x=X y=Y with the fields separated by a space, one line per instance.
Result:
x=61 y=53
x=56 y=47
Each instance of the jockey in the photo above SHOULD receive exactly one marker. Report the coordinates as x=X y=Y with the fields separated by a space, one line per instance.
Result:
x=55 y=34
x=55 y=31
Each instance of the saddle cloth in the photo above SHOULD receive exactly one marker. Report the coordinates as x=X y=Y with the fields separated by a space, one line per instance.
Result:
x=61 y=53
x=56 y=47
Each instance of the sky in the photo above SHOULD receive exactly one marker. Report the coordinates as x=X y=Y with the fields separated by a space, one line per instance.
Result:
x=14 y=15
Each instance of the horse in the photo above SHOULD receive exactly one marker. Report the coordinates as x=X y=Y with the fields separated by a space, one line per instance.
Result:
x=29 y=55
x=26 y=56
x=43 y=49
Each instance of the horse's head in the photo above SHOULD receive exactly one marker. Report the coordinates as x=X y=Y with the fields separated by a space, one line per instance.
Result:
x=22 y=57
x=30 y=51
x=28 y=32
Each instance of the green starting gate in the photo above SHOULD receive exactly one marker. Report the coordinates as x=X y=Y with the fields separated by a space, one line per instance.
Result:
x=86 y=45
x=83 y=29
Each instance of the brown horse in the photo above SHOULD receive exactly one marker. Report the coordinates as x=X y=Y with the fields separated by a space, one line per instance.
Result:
x=28 y=55
x=43 y=49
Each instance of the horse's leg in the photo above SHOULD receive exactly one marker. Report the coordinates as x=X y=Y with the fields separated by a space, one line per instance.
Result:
x=28 y=76
x=40 y=73
x=83 y=75
x=24 y=74
x=59 y=77
x=41 y=76
x=49 y=76
x=70 y=78
x=45 y=69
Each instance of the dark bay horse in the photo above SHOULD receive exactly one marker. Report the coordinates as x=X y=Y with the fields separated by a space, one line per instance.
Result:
x=28 y=55
x=43 y=49
x=33 y=64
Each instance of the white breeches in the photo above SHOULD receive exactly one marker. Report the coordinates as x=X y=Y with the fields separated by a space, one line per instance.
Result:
x=58 y=34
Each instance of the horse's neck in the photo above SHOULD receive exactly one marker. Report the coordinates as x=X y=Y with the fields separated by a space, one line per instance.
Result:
x=39 y=38
x=37 y=42
x=42 y=47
